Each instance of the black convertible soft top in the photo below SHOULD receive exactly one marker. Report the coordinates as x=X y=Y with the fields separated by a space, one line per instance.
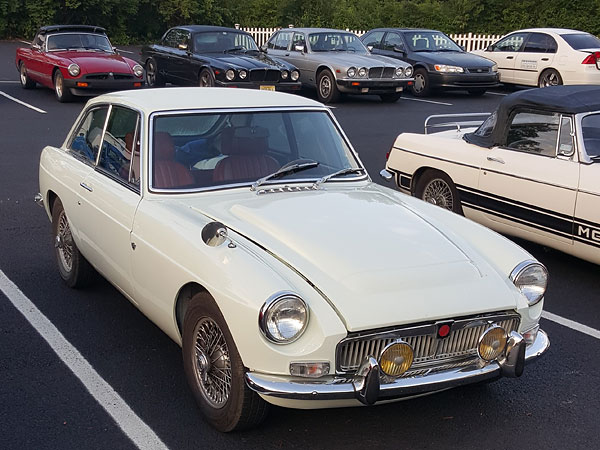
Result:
x=560 y=99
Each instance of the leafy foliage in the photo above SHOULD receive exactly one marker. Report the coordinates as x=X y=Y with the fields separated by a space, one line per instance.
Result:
x=146 y=20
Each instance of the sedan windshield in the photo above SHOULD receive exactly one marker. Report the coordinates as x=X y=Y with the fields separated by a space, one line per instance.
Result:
x=336 y=42
x=79 y=41
x=210 y=150
x=430 y=41
x=223 y=41
x=590 y=127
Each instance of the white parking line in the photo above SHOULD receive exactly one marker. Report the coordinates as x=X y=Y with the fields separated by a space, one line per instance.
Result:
x=22 y=103
x=9 y=81
x=425 y=101
x=572 y=324
x=134 y=427
x=496 y=93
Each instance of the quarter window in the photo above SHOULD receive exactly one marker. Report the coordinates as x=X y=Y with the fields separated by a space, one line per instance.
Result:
x=534 y=132
x=590 y=127
x=512 y=43
x=86 y=141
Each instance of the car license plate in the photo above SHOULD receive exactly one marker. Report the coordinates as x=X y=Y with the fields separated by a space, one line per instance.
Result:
x=267 y=88
x=399 y=89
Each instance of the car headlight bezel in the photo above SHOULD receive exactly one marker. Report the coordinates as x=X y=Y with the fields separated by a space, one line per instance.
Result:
x=270 y=325
x=243 y=74
x=399 y=72
x=351 y=72
x=408 y=72
x=230 y=74
x=295 y=75
x=285 y=74
x=521 y=277
x=494 y=68
x=74 y=70
x=362 y=72
x=444 y=68
x=138 y=71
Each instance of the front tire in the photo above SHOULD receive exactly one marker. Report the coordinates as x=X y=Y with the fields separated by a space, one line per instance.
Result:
x=437 y=188
x=26 y=82
x=421 y=86
x=63 y=94
x=327 y=90
x=74 y=269
x=153 y=77
x=206 y=78
x=550 y=77
x=390 y=98
x=476 y=92
x=215 y=371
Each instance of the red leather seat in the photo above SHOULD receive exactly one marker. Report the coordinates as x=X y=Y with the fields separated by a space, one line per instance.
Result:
x=246 y=149
x=168 y=173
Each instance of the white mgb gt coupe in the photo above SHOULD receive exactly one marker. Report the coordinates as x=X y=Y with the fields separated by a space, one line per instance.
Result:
x=531 y=170
x=244 y=225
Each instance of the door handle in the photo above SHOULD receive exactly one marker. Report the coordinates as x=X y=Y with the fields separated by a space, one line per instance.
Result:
x=86 y=187
x=498 y=160
x=510 y=57
x=545 y=59
x=287 y=54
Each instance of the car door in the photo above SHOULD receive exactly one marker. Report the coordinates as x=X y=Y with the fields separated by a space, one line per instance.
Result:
x=110 y=196
x=164 y=53
x=537 y=54
x=279 y=45
x=33 y=60
x=180 y=61
x=528 y=186
x=299 y=58
x=504 y=53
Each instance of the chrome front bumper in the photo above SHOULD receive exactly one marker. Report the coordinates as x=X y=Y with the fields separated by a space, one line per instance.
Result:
x=366 y=386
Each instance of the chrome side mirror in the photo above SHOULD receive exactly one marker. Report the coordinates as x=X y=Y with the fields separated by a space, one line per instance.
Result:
x=386 y=175
x=214 y=234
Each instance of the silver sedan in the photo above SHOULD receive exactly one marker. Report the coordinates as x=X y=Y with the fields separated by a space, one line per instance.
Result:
x=336 y=62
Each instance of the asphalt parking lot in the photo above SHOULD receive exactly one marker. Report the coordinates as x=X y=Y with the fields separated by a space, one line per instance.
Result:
x=43 y=405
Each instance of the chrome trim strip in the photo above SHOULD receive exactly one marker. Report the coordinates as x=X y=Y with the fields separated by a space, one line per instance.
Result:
x=436 y=158
x=347 y=388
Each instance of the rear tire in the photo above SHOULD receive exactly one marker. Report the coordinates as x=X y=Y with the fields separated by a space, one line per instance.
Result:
x=550 y=77
x=437 y=188
x=390 y=98
x=206 y=78
x=153 y=76
x=63 y=94
x=26 y=82
x=215 y=371
x=327 y=90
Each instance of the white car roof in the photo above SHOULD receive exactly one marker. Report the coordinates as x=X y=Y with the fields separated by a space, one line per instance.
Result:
x=551 y=30
x=185 y=98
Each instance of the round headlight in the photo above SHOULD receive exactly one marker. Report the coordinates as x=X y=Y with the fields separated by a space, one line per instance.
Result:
x=362 y=72
x=138 y=71
x=284 y=74
x=408 y=72
x=74 y=70
x=351 y=72
x=283 y=318
x=230 y=74
x=295 y=75
x=492 y=343
x=242 y=74
x=396 y=358
x=531 y=278
x=399 y=72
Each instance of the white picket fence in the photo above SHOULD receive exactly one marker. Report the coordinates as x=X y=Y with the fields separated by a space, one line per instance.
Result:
x=469 y=41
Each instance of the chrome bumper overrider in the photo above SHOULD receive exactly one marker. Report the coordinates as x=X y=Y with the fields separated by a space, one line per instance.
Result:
x=366 y=386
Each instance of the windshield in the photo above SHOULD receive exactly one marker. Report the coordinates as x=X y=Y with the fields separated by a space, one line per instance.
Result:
x=336 y=42
x=209 y=150
x=430 y=41
x=223 y=41
x=590 y=127
x=581 y=40
x=78 y=41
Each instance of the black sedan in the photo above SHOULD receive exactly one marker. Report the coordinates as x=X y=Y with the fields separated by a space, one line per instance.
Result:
x=201 y=55
x=438 y=61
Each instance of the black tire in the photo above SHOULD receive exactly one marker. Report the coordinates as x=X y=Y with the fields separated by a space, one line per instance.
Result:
x=437 y=188
x=327 y=91
x=390 y=98
x=476 y=92
x=63 y=94
x=242 y=408
x=550 y=77
x=206 y=78
x=74 y=269
x=153 y=76
x=421 y=86
x=26 y=82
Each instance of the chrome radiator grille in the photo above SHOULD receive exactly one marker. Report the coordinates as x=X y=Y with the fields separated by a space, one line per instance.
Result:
x=430 y=352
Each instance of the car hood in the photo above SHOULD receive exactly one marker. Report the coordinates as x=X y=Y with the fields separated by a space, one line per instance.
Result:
x=460 y=59
x=349 y=59
x=249 y=61
x=375 y=259
x=94 y=62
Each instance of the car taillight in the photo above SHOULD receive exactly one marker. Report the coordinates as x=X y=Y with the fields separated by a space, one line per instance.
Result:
x=387 y=155
x=592 y=58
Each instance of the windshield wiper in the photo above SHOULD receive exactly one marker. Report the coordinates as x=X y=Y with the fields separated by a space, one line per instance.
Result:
x=285 y=170
x=326 y=178
x=234 y=49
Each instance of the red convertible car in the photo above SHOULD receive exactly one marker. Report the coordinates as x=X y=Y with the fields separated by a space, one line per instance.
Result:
x=76 y=60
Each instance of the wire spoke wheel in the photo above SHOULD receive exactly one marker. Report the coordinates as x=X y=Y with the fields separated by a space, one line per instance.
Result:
x=439 y=193
x=64 y=243
x=212 y=364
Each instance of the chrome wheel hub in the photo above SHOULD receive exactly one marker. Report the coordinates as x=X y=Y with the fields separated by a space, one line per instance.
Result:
x=64 y=243
x=437 y=192
x=419 y=82
x=150 y=75
x=23 y=75
x=325 y=87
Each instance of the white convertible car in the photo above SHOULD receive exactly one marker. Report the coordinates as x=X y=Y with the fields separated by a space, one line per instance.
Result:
x=531 y=170
x=243 y=224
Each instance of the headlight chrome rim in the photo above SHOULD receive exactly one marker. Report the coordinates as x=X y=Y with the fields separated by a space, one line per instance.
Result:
x=74 y=70
x=230 y=74
x=408 y=72
x=243 y=74
x=295 y=75
x=521 y=271
x=351 y=72
x=362 y=72
x=399 y=72
x=138 y=71
x=284 y=74
x=265 y=314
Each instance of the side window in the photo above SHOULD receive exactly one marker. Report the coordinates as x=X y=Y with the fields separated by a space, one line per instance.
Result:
x=512 y=43
x=534 y=132
x=393 y=40
x=170 y=39
x=590 y=128
x=183 y=38
x=120 y=145
x=271 y=42
x=565 y=140
x=374 y=39
x=540 y=43
x=37 y=41
x=298 y=40
x=283 y=40
x=86 y=140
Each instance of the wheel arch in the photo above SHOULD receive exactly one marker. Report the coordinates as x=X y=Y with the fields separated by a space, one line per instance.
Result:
x=183 y=300
x=51 y=197
x=414 y=182
x=546 y=69
x=321 y=68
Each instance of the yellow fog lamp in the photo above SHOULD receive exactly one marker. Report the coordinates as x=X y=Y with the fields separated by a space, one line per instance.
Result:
x=396 y=358
x=492 y=343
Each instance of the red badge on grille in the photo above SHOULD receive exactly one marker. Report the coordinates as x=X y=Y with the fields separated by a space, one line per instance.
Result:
x=443 y=329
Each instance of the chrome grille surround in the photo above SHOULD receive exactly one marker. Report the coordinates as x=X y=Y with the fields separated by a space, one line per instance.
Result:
x=431 y=354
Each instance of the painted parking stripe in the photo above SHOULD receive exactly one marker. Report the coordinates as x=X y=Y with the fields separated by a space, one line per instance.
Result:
x=572 y=324
x=496 y=93
x=134 y=427
x=27 y=105
x=425 y=101
x=9 y=82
